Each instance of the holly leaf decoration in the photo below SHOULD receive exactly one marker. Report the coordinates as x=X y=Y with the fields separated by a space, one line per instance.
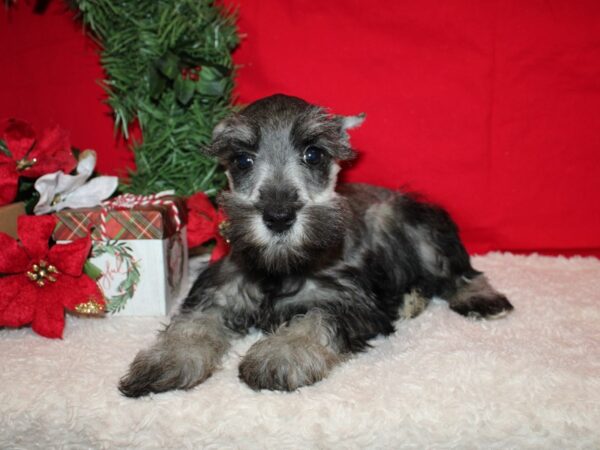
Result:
x=156 y=83
x=211 y=82
x=169 y=65
x=184 y=90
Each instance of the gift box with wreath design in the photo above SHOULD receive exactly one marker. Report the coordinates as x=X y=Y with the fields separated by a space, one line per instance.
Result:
x=139 y=254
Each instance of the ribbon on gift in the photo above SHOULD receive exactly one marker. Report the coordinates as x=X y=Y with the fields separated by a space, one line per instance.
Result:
x=130 y=201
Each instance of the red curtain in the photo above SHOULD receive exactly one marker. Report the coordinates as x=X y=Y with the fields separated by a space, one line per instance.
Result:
x=49 y=72
x=490 y=109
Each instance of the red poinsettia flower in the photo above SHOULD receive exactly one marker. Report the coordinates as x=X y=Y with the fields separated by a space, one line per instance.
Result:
x=205 y=224
x=38 y=282
x=22 y=155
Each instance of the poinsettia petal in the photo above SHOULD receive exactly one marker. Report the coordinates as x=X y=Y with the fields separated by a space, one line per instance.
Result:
x=18 y=136
x=86 y=163
x=9 y=179
x=81 y=290
x=52 y=153
x=5 y=159
x=34 y=233
x=13 y=259
x=91 y=193
x=55 y=189
x=220 y=250
x=200 y=229
x=49 y=316
x=221 y=216
x=200 y=203
x=47 y=187
x=63 y=184
x=70 y=258
x=18 y=300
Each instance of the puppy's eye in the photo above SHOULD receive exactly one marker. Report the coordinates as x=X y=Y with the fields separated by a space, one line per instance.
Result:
x=243 y=161
x=312 y=155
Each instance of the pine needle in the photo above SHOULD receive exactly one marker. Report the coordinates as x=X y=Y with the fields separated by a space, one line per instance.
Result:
x=146 y=46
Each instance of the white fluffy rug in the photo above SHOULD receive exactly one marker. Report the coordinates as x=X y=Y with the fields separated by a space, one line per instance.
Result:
x=531 y=380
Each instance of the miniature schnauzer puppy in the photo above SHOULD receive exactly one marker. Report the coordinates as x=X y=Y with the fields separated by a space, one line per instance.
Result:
x=320 y=268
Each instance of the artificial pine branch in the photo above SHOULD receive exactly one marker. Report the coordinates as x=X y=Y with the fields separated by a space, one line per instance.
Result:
x=168 y=65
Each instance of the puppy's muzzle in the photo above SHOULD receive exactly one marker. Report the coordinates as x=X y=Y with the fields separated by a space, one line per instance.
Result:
x=279 y=205
x=279 y=218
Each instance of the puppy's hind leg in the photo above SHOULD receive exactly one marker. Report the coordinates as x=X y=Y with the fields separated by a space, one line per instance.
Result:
x=446 y=263
x=186 y=353
x=475 y=297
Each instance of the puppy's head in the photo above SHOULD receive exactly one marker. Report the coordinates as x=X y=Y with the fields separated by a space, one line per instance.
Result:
x=281 y=157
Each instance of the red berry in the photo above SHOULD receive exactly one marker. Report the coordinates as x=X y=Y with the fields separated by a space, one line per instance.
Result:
x=194 y=76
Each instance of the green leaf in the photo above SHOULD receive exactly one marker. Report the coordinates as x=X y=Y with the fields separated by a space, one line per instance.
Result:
x=92 y=270
x=117 y=303
x=156 y=83
x=4 y=149
x=210 y=74
x=26 y=193
x=184 y=90
x=26 y=184
x=169 y=65
x=109 y=249
x=211 y=82
x=31 y=202
x=212 y=88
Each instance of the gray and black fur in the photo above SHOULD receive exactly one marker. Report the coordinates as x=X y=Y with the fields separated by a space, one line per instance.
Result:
x=320 y=269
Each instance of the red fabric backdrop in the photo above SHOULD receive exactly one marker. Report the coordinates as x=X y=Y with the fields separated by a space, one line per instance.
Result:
x=488 y=108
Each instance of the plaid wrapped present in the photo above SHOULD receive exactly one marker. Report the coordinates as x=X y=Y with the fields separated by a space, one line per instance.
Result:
x=149 y=221
x=139 y=250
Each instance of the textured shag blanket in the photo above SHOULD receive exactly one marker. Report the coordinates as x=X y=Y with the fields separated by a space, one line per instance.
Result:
x=531 y=380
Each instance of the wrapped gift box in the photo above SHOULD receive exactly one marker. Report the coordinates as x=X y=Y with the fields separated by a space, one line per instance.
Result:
x=140 y=254
x=8 y=218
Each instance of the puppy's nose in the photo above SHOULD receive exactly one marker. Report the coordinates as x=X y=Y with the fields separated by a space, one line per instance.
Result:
x=279 y=219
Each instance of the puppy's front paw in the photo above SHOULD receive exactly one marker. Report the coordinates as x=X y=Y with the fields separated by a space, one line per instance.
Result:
x=145 y=375
x=285 y=363
x=186 y=353
x=158 y=371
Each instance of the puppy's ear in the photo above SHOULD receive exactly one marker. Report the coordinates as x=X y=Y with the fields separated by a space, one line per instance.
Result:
x=349 y=122
x=220 y=128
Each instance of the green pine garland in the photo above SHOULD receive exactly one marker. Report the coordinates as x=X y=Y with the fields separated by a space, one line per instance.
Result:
x=168 y=64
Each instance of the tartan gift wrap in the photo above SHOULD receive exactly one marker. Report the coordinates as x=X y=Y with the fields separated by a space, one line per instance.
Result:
x=139 y=255
x=143 y=222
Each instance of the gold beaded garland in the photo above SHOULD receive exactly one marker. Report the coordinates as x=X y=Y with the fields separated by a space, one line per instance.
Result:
x=90 y=307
